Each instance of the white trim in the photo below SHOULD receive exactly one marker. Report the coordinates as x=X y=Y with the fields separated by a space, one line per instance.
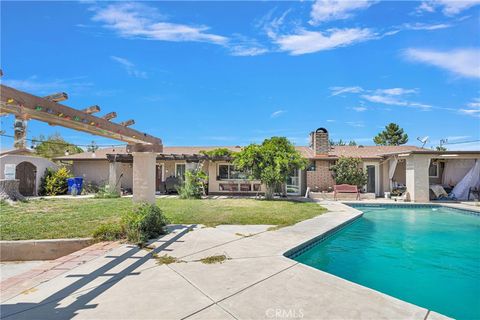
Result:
x=437 y=164
x=179 y=163
x=299 y=174
x=163 y=170
x=377 y=176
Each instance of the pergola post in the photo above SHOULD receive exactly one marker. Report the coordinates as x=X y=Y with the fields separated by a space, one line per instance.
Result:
x=144 y=176
x=417 y=180
x=114 y=176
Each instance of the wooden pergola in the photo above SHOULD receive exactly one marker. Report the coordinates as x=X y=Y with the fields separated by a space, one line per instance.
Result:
x=26 y=106
x=143 y=147
x=128 y=158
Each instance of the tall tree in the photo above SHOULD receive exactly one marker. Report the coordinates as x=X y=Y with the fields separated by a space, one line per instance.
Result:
x=342 y=143
x=393 y=135
x=54 y=146
x=271 y=162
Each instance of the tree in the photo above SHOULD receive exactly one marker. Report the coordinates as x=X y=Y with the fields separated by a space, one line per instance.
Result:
x=393 y=135
x=271 y=162
x=440 y=148
x=342 y=143
x=54 y=146
x=348 y=171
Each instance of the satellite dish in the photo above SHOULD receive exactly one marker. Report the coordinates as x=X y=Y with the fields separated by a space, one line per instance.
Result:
x=423 y=140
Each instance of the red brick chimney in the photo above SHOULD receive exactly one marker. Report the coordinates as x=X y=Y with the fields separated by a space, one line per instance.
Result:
x=319 y=142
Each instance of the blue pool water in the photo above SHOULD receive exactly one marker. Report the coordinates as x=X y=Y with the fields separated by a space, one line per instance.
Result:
x=429 y=256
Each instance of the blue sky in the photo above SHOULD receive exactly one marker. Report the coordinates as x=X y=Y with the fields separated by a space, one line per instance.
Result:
x=232 y=73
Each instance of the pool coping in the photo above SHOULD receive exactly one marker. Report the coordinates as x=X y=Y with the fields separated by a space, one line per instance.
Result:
x=306 y=245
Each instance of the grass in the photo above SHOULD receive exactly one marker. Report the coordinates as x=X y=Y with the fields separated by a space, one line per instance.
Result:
x=165 y=259
x=214 y=259
x=71 y=218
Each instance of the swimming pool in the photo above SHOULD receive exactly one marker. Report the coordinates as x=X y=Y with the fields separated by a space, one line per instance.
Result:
x=427 y=255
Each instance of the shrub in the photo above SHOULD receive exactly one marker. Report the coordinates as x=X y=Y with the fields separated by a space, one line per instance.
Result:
x=193 y=185
x=54 y=182
x=143 y=223
x=106 y=192
x=109 y=232
x=90 y=188
x=348 y=171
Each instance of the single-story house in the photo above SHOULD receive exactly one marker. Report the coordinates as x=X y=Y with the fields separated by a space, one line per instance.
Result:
x=387 y=168
x=23 y=165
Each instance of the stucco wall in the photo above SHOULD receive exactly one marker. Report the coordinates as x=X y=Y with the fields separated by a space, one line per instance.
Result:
x=92 y=171
x=40 y=163
x=400 y=173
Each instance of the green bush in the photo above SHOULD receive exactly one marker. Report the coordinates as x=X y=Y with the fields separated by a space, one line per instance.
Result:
x=109 y=232
x=193 y=186
x=54 y=182
x=145 y=222
x=348 y=171
x=90 y=188
x=106 y=192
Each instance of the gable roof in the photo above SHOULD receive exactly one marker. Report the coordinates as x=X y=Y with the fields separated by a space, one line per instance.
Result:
x=366 y=152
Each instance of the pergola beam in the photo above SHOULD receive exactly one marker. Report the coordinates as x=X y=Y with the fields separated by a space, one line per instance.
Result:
x=28 y=106
x=92 y=109
x=109 y=116
x=129 y=122
x=57 y=97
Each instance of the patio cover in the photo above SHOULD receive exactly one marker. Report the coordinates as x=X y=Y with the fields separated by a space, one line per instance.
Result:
x=471 y=180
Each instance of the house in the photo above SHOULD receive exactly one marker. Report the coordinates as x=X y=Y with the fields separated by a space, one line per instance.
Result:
x=23 y=165
x=387 y=167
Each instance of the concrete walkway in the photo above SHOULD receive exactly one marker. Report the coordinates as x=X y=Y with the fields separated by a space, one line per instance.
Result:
x=256 y=282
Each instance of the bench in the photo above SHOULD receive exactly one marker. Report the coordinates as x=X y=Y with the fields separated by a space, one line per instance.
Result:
x=345 y=188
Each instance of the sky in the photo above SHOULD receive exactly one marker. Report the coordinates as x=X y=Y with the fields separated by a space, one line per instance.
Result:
x=233 y=73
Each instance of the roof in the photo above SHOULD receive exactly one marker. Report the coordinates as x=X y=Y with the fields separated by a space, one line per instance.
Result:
x=22 y=151
x=366 y=152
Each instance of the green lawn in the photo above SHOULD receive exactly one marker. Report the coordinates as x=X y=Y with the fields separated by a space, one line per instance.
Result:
x=70 y=218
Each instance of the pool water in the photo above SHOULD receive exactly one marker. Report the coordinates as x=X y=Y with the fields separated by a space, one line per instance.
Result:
x=429 y=256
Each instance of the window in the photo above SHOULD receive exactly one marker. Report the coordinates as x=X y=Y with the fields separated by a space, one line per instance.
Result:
x=228 y=172
x=180 y=170
x=433 y=170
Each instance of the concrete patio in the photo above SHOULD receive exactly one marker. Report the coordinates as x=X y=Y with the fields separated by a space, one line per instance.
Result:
x=256 y=282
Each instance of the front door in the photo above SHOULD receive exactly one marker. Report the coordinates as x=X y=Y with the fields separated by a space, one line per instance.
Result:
x=293 y=183
x=27 y=174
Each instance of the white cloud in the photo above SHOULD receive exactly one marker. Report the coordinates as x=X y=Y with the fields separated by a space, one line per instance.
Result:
x=448 y=7
x=359 y=109
x=330 y=120
x=305 y=41
x=137 y=20
x=328 y=10
x=473 y=108
x=129 y=67
x=475 y=103
x=424 y=26
x=394 y=101
x=45 y=87
x=463 y=62
x=247 y=51
x=341 y=90
x=396 y=91
x=277 y=113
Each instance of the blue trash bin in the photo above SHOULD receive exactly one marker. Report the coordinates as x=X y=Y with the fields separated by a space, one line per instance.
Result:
x=79 y=184
x=70 y=184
